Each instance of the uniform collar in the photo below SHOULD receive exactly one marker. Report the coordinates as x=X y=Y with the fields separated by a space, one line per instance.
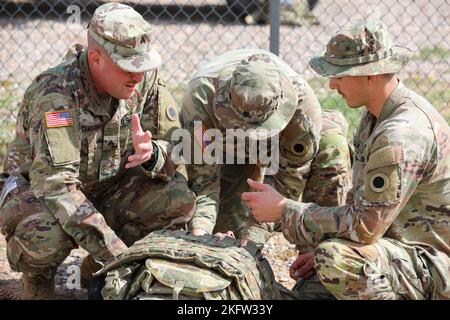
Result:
x=392 y=101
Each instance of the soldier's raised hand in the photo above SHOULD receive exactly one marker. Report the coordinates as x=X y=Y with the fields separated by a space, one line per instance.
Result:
x=142 y=143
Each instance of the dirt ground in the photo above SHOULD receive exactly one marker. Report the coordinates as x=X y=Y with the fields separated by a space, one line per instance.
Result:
x=278 y=251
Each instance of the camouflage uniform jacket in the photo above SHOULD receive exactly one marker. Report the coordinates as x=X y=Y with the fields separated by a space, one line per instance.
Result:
x=69 y=165
x=294 y=169
x=401 y=186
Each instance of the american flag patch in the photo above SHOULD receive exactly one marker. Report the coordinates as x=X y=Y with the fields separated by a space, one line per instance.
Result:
x=55 y=119
x=200 y=135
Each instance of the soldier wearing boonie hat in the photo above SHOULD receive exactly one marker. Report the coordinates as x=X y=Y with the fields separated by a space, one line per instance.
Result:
x=363 y=49
x=256 y=96
x=90 y=163
x=255 y=91
x=401 y=183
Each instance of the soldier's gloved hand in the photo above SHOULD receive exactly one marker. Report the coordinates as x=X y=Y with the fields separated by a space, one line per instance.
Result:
x=142 y=143
x=303 y=266
x=266 y=205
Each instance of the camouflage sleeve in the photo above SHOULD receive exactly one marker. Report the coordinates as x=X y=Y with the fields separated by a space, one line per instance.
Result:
x=161 y=116
x=299 y=143
x=54 y=178
x=19 y=150
x=298 y=147
x=204 y=180
x=330 y=175
x=391 y=174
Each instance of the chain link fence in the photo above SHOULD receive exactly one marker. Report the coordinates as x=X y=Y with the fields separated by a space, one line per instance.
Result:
x=36 y=34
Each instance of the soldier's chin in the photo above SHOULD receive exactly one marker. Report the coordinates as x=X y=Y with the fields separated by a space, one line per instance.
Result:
x=353 y=105
x=128 y=96
x=125 y=94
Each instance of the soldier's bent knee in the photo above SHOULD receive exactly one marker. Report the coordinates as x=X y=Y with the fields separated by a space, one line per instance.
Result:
x=38 y=243
x=332 y=260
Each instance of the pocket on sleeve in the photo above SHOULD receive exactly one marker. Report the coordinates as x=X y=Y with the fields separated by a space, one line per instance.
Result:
x=63 y=145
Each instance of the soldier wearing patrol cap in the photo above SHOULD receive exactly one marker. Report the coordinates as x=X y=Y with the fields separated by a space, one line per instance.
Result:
x=252 y=89
x=393 y=241
x=90 y=162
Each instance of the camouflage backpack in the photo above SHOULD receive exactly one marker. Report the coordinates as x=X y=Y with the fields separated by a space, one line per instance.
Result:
x=177 y=265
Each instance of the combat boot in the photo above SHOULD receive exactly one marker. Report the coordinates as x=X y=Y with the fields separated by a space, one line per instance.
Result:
x=87 y=269
x=38 y=287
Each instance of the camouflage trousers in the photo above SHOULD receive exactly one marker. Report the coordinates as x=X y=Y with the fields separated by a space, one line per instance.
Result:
x=132 y=207
x=311 y=289
x=385 y=270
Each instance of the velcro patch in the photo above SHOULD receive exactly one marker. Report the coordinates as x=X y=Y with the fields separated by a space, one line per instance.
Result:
x=56 y=119
x=389 y=155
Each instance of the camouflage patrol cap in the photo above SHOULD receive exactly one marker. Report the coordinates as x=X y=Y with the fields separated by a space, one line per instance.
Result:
x=361 y=49
x=256 y=96
x=125 y=34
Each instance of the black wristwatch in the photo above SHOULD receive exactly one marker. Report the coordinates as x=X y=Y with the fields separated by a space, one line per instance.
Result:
x=150 y=164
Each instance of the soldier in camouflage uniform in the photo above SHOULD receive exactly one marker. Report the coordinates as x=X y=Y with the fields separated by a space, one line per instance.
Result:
x=393 y=241
x=84 y=169
x=254 y=89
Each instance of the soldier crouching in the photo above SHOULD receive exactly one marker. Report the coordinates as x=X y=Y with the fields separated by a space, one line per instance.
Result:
x=90 y=162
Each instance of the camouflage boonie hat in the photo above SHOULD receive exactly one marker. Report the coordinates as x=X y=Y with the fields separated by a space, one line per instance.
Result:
x=125 y=34
x=256 y=96
x=362 y=49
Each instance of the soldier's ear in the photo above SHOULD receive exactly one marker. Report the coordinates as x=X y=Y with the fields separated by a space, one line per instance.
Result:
x=94 y=56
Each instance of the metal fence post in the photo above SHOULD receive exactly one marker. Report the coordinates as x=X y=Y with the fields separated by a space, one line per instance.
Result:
x=274 y=19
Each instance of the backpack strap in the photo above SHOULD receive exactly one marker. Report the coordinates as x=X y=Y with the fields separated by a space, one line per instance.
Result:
x=179 y=285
